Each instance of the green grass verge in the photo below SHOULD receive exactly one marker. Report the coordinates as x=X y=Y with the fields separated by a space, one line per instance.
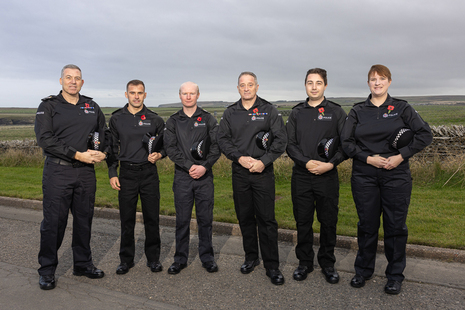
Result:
x=436 y=214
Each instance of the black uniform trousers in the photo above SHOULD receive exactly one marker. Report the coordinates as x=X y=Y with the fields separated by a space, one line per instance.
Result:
x=321 y=193
x=254 y=201
x=387 y=192
x=139 y=180
x=187 y=191
x=66 y=188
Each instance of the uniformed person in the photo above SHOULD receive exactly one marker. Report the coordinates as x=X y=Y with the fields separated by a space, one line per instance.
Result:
x=313 y=131
x=138 y=174
x=63 y=125
x=252 y=172
x=381 y=179
x=190 y=142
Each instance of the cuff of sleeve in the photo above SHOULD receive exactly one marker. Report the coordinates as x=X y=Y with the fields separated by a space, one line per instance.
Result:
x=266 y=160
x=404 y=152
x=362 y=157
x=187 y=165
x=236 y=156
x=112 y=173
x=207 y=166
x=71 y=152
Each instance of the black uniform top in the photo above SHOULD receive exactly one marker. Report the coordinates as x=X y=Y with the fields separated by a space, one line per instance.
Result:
x=368 y=129
x=239 y=127
x=307 y=126
x=127 y=131
x=63 y=128
x=182 y=131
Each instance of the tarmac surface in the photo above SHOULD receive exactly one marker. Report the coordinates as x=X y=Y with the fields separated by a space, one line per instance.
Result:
x=435 y=277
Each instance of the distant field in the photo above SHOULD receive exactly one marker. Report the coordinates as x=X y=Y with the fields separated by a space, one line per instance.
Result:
x=17 y=132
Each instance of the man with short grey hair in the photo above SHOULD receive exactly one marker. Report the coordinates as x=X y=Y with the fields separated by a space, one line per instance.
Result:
x=70 y=128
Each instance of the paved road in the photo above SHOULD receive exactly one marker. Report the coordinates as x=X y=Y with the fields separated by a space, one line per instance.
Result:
x=429 y=284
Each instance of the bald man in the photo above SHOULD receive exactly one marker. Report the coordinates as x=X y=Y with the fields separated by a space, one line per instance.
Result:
x=190 y=142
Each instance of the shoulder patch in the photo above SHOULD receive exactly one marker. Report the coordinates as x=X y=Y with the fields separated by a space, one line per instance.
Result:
x=49 y=97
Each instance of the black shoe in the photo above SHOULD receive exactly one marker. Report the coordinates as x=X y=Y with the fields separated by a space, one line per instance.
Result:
x=276 y=276
x=357 y=281
x=249 y=265
x=91 y=272
x=47 y=282
x=210 y=266
x=124 y=268
x=155 y=266
x=300 y=273
x=176 y=268
x=393 y=287
x=331 y=274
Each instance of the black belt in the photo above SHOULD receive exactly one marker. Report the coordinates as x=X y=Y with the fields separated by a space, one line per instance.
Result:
x=135 y=166
x=62 y=162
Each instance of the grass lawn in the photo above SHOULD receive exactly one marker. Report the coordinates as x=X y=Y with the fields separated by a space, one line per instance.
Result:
x=436 y=214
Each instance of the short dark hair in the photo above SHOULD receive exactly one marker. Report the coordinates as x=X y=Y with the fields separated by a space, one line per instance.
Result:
x=320 y=72
x=381 y=70
x=70 y=66
x=135 y=83
x=247 y=73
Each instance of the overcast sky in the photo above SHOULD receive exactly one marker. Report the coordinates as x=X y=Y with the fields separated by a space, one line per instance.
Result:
x=165 y=43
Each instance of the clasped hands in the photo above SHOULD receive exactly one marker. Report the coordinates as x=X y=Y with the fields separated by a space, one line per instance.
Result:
x=90 y=157
x=318 y=167
x=385 y=163
x=252 y=164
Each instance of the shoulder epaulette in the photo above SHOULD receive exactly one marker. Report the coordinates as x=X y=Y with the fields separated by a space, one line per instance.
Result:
x=150 y=111
x=49 y=97
x=357 y=103
x=265 y=101
x=177 y=112
x=205 y=111
x=332 y=102
x=299 y=104
x=232 y=104
x=116 y=111
x=397 y=99
x=87 y=97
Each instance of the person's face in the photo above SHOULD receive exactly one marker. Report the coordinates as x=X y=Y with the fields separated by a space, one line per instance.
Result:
x=71 y=81
x=136 y=95
x=315 y=86
x=378 y=84
x=247 y=87
x=189 y=95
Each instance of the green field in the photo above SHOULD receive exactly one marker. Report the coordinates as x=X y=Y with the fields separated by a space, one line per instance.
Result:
x=17 y=123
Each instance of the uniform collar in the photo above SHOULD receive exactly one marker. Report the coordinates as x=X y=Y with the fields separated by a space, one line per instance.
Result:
x=369 y=103
x=257 y=103
x=141 y=112
x=82 y=99
x=197 y=112
x=322 y=104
